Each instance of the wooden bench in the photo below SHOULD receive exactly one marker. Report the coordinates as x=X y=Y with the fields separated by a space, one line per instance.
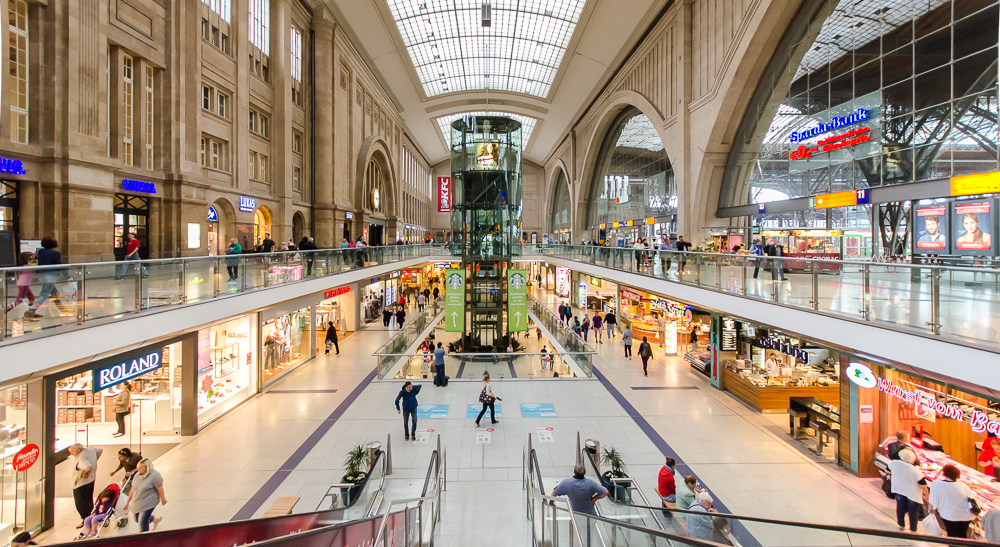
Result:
x=281 y=506
x=667 y=506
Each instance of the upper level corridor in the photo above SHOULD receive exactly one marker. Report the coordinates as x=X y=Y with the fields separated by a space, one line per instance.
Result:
x=872 y=309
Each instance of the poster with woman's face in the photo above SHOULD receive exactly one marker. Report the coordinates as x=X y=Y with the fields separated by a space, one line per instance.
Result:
x=932 y=229
x=972 y=227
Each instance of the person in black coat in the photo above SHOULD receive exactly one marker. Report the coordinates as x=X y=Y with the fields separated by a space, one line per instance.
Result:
x=331 y=338
x=400 y=317
x=386 y=317
x=307 y=245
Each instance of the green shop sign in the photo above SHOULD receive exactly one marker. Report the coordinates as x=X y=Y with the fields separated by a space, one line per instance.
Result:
x=517 y=301
x=454 y=300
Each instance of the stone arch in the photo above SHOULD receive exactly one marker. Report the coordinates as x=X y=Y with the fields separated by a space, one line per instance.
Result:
x=298 y=226
x=615 y=105
x=376 y=149
x=550 y=187
x=553 y=206
x=226 y=225
x=266 y=216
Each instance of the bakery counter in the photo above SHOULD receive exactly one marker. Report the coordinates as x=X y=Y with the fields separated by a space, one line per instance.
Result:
x=775 y=399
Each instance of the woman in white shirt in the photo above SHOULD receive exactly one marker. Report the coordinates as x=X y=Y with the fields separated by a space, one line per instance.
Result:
x=907 y=481
x=486 y=397
x=950 y=500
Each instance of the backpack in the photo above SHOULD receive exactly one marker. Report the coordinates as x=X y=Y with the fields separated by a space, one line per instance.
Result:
x=483 y=397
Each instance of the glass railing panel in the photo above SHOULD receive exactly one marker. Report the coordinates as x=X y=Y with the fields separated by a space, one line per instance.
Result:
x=161 y=283
x=203 y=279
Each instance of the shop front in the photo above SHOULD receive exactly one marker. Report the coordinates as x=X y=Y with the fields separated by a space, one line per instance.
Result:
x=602 y=295
x=812 y=244
x=227 y=371
x=562 y=281
x=337 y=306
x=374 y=299
x=947 y=424
x=10 y=224
x=131 y=216
x=20 y=505
x=766 y=369
x=667 y=322
x=287 y=339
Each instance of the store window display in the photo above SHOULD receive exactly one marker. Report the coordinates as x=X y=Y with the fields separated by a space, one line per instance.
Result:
x=226 y=371
x=286 y=343
x=13 y=438
x=155 y=402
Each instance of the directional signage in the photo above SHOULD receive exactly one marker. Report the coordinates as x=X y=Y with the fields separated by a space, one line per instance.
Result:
x=432 y=412
x=473 y=411
x=537 y=410
x=484 y=436
x=423 y=435
x=517 y=301
x=454 y=300
x=545 y=435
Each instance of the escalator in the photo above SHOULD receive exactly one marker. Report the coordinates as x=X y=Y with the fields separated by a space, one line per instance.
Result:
x=346 y=518
x=624 y=524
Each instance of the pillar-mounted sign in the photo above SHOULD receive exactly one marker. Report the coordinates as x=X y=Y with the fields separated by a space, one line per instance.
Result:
x=454 y=300
x=517 y=301
x=444 y=194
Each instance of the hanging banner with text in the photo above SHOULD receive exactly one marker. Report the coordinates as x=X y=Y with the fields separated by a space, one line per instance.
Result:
x=517 y=301
x=444 y=194
x=454 y=300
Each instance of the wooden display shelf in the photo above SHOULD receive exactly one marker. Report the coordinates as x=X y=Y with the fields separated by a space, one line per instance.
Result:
x=775 y=398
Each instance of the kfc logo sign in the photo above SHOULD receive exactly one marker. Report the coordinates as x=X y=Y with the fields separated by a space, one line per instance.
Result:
x=444 y=194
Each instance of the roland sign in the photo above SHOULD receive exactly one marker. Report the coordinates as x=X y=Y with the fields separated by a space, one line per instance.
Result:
x=120 y=371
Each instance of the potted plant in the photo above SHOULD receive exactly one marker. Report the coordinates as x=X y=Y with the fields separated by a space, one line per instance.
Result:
x=356 y=471
x=612 y=458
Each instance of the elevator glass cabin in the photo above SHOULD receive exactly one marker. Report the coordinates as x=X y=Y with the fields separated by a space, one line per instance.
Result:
x=486 y=220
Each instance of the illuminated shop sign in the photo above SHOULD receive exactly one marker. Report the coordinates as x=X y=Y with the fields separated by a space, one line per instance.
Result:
x=12 y=167
x=336 y=292
x=130 y=185
x=114 y=374
x=783 y=347
x=861 y=375
x=631 y=295
x=349 y=215
x=836 y=122
x=213 y=215
x=855 y=137
x=248 y=204
x=444 y=194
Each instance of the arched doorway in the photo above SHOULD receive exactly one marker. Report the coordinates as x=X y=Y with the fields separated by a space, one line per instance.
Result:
x=261 y=224
x=374 y=195
x=298 y=227
x=221 y=227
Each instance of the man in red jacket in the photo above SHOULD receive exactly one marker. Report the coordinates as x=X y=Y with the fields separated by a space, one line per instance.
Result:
x=131 y=253
x=667 y=486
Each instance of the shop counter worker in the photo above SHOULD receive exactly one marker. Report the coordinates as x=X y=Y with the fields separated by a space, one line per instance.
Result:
x=409 y=411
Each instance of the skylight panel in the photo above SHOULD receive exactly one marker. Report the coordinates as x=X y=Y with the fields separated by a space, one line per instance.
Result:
x=527 y=124
x=532 y=33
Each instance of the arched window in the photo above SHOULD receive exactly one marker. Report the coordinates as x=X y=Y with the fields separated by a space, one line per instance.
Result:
x=633 y=178
x=261 y=224
x=374 y=188
x=561 y=204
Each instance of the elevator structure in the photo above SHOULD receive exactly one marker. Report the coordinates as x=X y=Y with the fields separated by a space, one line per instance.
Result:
x=486 y=221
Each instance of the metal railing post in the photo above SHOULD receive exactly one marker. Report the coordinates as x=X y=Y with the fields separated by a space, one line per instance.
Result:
x=3 y=305
x=81 y=298
x=184 y=292
x=697 y=270
x=815 y=285
x=866 y=295
x=216 y=277
x=744 y=261
x=718 y=272
x=935 y=323
x=388 y=454
x=138 y=290
x=243 y=278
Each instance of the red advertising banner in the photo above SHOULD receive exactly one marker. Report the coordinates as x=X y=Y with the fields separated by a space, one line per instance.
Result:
x=444 y=194
x=25 y=458
x=973 y=224
x=932 y=229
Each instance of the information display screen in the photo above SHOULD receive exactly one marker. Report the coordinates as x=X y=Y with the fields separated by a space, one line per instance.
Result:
x=487 y=154
x=972 y=227
x=932 y=229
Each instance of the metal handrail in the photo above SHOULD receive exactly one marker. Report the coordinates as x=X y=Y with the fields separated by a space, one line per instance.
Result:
x=430 y=310
x=859 y=263
x=436 y=496
x=683 y=540
x=379 y=460
x=828 y=527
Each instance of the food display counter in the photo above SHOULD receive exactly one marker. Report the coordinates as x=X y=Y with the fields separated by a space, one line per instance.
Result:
x=772 y=394
x=932 y=461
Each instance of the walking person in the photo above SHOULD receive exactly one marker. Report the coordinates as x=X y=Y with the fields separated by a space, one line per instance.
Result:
x=439 y=370
x=421 y=299
x=597 y=324
x=400 y=317
x=661 y=327
x=23 y=282
x=585 y=327
x=562 y=313
x=777 y=272
x=664 y=249
x=645 y=352
x=122 y=407
x=47 y=256
x=268 y=244
x=386 y=317
x=627 y=342
x=577 y=327
x=308 y=245
x=949 y=499
x=487 y=397
x=127 y=461
x=683 y=247
x=757 y=252
x=409 y=411
x=146 y=494
x=331 y=337
x=131 y=253
x=694 y=337
x=436 y=293
x=84 y=474
x=610 y=321
x=907 y=483
x=233 y=252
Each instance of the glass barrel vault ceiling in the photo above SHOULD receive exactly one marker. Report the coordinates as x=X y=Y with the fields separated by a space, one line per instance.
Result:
x=527 y=124
x=520 y=52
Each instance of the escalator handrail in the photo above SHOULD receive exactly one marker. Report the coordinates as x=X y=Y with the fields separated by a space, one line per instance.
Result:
x=597 y=470
x=533 y=469
x=683 y=540
x=379 y=460
x=434 y=466
x=298 y=536
x=828 y=527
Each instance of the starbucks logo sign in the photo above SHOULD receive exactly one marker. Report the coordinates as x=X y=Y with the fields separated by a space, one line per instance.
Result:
x=455 y=281
x=517 y=281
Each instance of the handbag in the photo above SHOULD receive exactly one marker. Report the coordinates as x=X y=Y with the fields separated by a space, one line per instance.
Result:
x=974 y=506
x=483 y=398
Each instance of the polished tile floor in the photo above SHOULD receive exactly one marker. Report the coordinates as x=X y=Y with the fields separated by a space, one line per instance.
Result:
x=746 y=459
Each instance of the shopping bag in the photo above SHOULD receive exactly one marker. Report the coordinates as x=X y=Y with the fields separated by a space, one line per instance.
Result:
x=70 y=290
x=17 y=312
x=931 y=526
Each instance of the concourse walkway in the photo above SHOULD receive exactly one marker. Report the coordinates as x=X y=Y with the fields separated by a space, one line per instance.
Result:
x=744 y=458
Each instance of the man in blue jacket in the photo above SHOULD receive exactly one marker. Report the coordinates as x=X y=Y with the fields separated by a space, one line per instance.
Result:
x=409 y=396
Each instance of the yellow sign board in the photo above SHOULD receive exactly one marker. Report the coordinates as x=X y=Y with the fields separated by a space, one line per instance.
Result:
x=629 y=223
x=981 y=183
x=615 y=225
x=837 y=199
x=649 y=220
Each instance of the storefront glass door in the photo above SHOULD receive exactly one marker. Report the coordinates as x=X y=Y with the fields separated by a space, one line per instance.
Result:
x=9 y=225
x=131 y=217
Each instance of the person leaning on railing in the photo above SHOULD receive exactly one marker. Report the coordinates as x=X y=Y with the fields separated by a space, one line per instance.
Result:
x=233 y=264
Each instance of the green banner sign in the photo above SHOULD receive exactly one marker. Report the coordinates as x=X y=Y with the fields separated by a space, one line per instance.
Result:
x=454 y=300
x=517 y=301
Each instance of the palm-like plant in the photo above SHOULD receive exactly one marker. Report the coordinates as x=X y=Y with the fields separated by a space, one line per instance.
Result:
x=613 y=459
x=354 y=462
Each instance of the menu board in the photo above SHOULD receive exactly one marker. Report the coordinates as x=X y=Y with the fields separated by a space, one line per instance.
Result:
x=931 y=229
x=972 y=227
x=728 y=334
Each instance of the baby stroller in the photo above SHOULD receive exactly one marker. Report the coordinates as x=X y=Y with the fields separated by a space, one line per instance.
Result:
x=116 y=513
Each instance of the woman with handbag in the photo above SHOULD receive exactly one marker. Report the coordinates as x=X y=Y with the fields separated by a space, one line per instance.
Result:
x=952 y=501
x=487 y=397
x=123 y=407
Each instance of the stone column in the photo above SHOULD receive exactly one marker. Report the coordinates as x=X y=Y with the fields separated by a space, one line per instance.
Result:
x=323 y=27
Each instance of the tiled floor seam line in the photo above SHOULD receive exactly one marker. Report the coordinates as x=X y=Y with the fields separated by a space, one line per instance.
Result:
x=666 y=450
x=258 y=499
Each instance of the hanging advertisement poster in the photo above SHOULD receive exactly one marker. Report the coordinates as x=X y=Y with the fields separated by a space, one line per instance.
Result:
x=972 y=227
x=562 y=281
x=931 y=229
x=454 y=300
x=581 y=295
x=444 y=194
x=517 y=301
